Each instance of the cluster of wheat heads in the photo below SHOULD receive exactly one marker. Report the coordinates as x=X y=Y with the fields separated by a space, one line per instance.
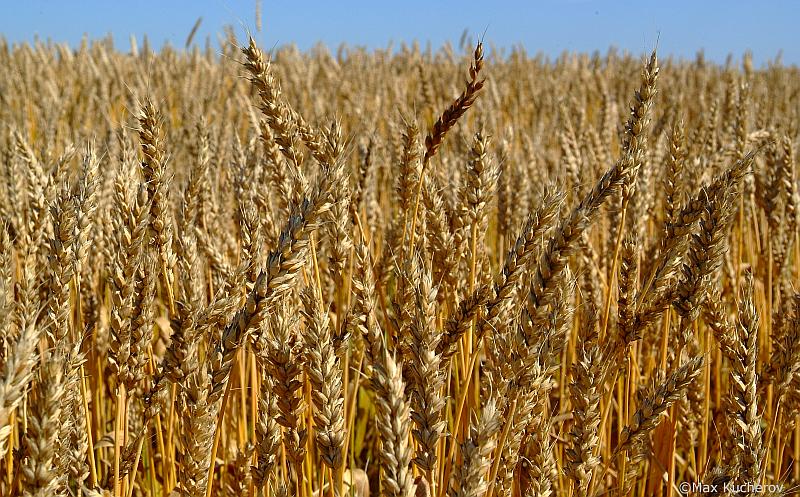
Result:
x=395 y=273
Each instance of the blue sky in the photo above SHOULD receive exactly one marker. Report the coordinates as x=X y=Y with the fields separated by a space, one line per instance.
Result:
x=680 y=27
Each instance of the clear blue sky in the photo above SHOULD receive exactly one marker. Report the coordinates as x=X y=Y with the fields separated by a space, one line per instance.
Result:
x=551 y=26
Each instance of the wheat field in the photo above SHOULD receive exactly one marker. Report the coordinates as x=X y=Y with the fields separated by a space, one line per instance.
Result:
x=396 y=273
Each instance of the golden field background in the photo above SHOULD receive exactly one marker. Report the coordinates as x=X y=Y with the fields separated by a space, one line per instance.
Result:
x=395 y=273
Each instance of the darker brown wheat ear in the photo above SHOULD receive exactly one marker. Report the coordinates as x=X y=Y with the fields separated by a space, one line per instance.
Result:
x=443 y=124
x=460 y=105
